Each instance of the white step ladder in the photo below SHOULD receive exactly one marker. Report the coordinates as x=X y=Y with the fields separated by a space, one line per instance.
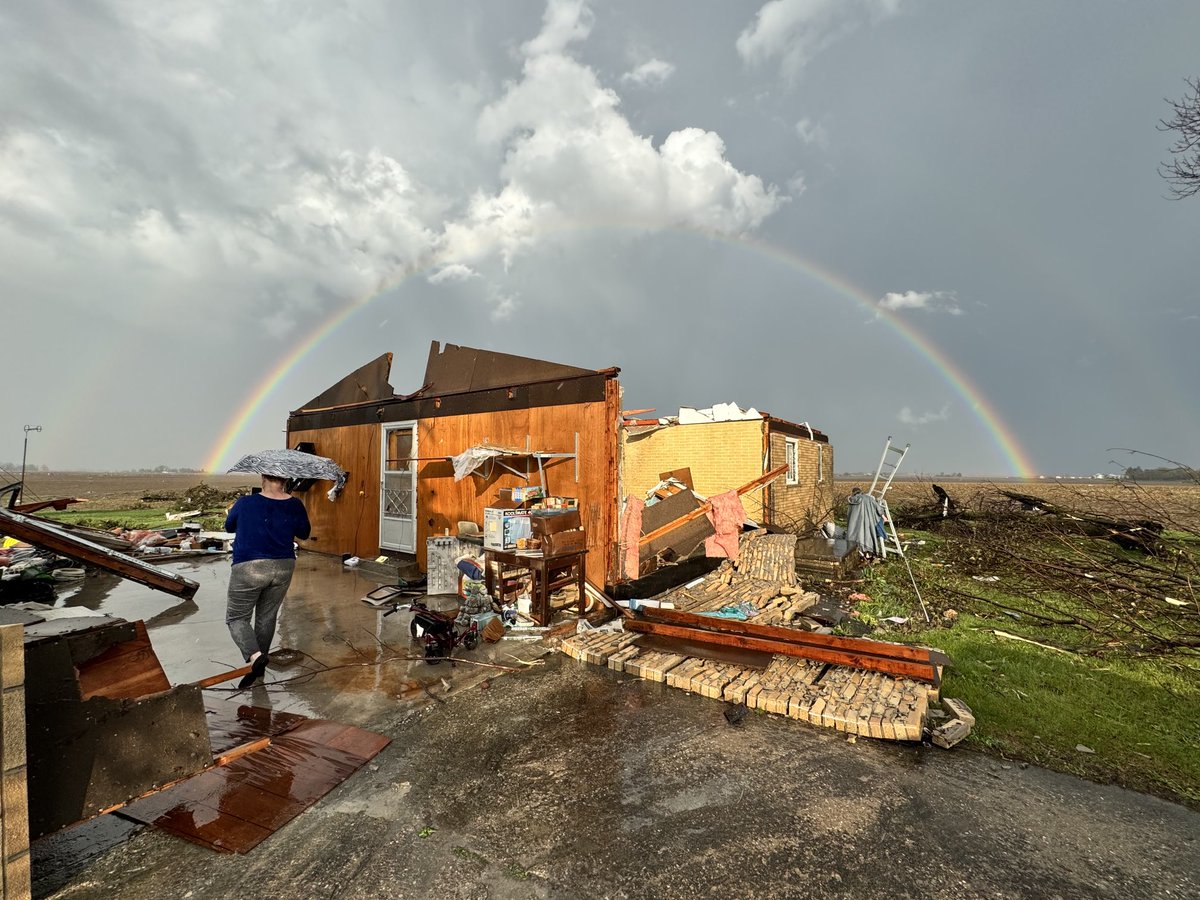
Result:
x=889 y=464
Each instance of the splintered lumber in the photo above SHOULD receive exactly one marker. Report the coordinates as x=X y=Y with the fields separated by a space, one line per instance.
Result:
x=704 y=507
x=49 y=536
x=892 y=659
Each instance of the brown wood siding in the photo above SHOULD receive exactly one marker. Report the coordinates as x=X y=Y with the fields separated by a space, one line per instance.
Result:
x=810 y=502
x=351 y=524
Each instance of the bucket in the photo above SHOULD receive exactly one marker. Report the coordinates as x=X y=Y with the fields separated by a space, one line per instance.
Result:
x=524 y=606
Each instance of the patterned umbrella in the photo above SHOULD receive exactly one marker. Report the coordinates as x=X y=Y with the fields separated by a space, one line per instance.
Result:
x=293 y=464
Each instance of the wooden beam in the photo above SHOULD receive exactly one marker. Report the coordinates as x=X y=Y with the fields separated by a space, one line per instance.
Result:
x=895 y=667
x=222 y=678
x=794 y=636
x=49 y=536
x=704 y=507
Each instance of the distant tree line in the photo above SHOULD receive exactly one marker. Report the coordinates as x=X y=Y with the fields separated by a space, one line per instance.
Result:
x=1163 y=473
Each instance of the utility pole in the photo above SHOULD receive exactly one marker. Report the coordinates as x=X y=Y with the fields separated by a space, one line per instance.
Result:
x=25 y=452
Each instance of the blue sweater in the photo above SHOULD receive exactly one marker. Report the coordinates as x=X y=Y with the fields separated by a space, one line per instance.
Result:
x=265 y=528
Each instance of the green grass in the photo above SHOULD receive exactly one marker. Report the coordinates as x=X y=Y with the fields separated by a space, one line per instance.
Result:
x=1141 y=715
x=136 y=517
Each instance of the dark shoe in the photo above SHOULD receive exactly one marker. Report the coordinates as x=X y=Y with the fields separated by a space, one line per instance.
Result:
x=257 y=669
x=259 y=666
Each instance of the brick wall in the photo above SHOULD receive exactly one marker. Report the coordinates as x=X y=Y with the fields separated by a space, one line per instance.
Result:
x=810 y=501
x=721 y=455
x=14 y=802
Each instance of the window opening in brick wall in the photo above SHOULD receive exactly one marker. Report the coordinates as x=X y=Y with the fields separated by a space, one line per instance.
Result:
x=791 y=452
x=820 y=463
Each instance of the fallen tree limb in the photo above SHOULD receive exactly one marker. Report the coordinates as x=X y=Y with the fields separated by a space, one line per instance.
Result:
x=1016 y=637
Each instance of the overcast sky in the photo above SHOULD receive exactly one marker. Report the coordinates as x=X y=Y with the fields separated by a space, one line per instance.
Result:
x=936 y=220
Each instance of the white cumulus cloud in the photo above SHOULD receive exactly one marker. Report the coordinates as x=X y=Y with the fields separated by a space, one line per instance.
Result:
x=651 y=72
x=929 y=301
x=908 y=417
x=795 y=31
x=571 y=158
x=452 y=272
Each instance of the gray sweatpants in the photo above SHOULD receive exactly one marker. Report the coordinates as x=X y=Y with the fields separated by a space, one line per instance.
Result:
x=256 y=589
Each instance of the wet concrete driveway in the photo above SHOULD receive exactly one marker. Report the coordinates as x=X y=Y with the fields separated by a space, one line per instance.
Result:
x=569 y=780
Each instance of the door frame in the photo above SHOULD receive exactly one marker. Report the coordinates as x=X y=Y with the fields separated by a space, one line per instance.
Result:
x=385 y=427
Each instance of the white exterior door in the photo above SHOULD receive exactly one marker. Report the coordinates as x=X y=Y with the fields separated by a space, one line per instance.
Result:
x=398 y=488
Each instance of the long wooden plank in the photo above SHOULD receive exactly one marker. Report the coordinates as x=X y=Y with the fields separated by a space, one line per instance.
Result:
x=45 y=534
x=704 y=507
x=899 y=667
x=792 y=635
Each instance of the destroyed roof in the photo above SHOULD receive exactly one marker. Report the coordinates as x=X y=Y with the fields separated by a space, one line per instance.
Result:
x=363 y=385
x=720 y=412
x=451 y=369
x=454 y=370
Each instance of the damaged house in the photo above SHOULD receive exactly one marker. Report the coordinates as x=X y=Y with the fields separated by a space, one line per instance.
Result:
x=539 y=420
x=485 y=424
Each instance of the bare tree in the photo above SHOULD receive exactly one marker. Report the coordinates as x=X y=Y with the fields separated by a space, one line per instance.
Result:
x=1183 y=171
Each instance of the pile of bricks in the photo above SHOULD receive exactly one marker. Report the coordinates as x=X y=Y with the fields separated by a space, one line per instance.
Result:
x=849 y=700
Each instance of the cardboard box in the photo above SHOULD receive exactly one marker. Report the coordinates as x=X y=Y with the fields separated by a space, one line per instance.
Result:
x=502 y=528
x=529 y=492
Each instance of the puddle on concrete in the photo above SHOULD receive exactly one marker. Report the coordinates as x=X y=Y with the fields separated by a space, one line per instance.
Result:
x=323 y=617
x=59 y=859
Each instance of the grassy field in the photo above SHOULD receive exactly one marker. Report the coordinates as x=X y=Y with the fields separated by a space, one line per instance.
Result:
x=1102 y=705
x=130 y=500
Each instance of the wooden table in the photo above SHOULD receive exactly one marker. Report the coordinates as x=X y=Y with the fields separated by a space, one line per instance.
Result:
x=548 y=573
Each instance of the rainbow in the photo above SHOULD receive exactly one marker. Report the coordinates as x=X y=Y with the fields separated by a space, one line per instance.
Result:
x=1005 y=440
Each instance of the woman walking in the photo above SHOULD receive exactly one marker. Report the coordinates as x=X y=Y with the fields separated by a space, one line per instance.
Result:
x=264 y=525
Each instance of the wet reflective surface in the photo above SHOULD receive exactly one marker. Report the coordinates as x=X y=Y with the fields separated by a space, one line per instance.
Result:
x=237 y=806
x=323 y=618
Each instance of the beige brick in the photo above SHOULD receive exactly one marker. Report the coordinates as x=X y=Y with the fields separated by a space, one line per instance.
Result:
x=12 y=655
x=12 y=729
x=15 y=813
x=721 y=455
x=16 y=878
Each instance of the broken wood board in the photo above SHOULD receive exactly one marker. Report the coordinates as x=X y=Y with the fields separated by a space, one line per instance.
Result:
x=891 y=665
x=51 y=536
x=744 y=659
x=235 y=807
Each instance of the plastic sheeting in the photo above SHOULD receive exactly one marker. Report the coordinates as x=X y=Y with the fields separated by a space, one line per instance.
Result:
x=863 y=524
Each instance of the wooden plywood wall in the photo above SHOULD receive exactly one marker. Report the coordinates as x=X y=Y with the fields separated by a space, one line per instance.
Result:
x=442 y=502
x=349 y=524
